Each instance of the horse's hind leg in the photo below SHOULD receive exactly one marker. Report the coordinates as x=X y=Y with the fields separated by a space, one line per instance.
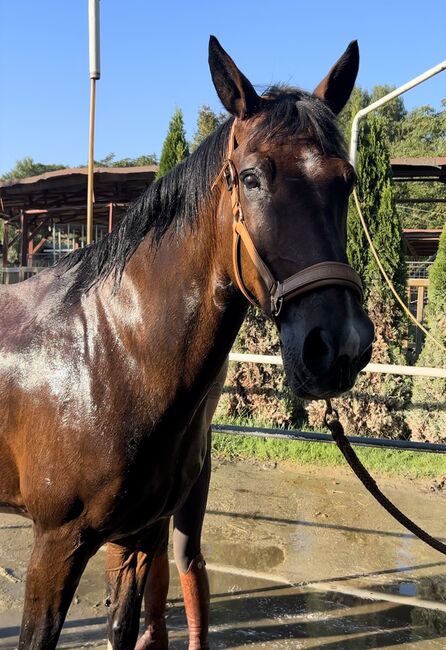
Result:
x=57 y=562
x=127 y=566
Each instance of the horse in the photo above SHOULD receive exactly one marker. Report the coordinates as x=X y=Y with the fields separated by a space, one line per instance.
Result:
x=106 y=357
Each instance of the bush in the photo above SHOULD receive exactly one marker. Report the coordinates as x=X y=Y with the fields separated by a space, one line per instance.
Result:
x=259 y=391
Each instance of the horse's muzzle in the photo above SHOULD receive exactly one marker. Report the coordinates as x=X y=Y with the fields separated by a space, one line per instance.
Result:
x=325 y=346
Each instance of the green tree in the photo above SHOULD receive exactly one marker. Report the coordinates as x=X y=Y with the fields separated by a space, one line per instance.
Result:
x=140 y=161
x=427 y=416
x=29 y=167
x=175 y=147
x=422 y=133
x=358 y=99
x=375 y=191
x=391 y=114
x=207 y=122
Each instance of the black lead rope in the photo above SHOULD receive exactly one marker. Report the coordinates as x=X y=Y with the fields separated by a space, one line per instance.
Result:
x=337 y=431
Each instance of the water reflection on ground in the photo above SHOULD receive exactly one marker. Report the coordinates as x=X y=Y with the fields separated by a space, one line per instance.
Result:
x=296 y=560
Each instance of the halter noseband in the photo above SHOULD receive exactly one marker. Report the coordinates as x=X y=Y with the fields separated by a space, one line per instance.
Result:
x=313 y=277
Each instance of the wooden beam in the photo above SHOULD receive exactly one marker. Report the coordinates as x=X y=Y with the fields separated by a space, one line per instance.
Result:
x=418 y=282
x=5 y=244
x=402 y=201
x=110 y=217
x=24 y=240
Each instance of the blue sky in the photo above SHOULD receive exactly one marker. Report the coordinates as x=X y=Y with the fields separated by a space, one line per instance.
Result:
x=154 y=58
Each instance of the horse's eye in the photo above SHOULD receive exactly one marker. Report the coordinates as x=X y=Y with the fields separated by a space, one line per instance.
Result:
x=250 y=181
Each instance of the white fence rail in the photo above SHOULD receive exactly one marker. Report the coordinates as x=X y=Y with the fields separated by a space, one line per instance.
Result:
x=371 y=367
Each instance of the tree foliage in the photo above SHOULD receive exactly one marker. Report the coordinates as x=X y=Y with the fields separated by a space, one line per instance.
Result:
x=175 y=147
x=29 y=167
x=207 y=122
x=376 y=195
x=140 y=161
x=391 y=114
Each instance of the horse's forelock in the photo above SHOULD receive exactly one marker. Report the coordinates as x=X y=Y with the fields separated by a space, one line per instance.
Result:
x=290 y=111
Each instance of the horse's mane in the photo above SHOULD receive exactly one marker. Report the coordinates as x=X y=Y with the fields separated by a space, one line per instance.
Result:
x=177 y=199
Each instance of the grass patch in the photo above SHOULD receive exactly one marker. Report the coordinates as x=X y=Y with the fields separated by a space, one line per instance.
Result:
x=405 y=464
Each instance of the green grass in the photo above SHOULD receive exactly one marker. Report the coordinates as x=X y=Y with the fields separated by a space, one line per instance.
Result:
x=407 y=464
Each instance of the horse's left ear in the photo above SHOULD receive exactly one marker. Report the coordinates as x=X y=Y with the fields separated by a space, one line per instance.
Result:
x=233 y=88
x=337 y=86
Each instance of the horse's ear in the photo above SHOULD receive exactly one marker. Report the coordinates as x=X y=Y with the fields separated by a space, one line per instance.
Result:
x=335 y=89
x=233 y=88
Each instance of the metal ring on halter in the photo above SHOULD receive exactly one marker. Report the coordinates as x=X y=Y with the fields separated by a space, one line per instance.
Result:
x=230 y=175
x=276 y=306
x=238 y=213
x=331 y=414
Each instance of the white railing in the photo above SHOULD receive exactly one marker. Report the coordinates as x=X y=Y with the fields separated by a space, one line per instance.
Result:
x=385 y=368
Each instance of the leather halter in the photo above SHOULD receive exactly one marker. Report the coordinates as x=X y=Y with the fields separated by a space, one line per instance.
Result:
x=313 y=277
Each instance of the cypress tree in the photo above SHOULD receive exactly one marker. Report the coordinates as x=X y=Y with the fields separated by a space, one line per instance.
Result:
x=175 y=148
x=427 y=416
x=207 y=122
x=357 y=245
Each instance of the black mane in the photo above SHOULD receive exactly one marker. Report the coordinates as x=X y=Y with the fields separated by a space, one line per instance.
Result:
x=178 y=198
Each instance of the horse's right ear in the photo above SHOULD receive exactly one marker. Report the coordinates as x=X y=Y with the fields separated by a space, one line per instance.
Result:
x=336 y=87
x=234 y=90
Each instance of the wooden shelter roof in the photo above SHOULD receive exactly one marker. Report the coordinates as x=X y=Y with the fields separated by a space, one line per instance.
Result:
x=419 y=169
x=62 y=194
x=421 y=243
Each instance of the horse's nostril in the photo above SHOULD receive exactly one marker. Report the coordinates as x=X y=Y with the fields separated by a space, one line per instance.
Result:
x=317 y=353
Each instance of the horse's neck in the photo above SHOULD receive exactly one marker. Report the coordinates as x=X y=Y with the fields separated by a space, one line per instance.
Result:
x=177 y=307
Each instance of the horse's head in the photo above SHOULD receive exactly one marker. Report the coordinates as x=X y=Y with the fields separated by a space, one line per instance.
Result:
x=289 y=181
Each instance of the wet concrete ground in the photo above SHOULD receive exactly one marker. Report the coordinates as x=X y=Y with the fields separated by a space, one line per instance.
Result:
x=296 y=560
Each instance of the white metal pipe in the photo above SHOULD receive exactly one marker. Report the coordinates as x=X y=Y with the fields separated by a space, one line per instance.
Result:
x=387 y=98
x=93 y=39
x=384 y=368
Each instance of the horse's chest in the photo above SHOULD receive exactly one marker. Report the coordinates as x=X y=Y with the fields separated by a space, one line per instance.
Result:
x=160 y=479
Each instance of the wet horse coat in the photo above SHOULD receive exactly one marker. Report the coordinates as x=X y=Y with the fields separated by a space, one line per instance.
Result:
x=105 y=358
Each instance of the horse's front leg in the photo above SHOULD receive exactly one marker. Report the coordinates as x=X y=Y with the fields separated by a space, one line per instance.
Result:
x=57 y=562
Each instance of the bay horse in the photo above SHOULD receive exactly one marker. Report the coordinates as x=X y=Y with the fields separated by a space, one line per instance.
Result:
x=106 y=357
